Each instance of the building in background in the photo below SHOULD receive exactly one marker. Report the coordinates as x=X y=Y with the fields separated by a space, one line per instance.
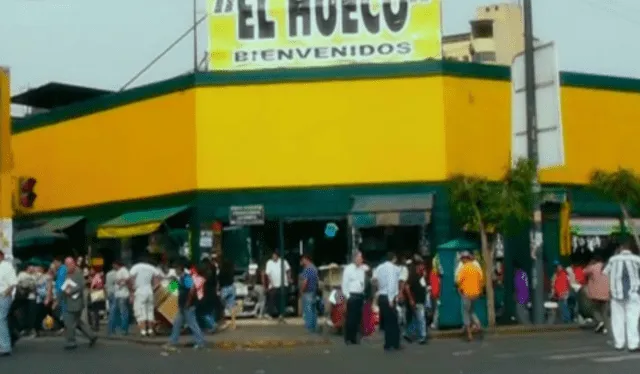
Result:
x=496 y=36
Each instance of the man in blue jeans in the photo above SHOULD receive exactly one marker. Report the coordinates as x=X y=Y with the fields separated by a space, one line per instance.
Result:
x=186 y=310
x=309 y=292
x=119 y=309
x=8 y=282
x=416 y=295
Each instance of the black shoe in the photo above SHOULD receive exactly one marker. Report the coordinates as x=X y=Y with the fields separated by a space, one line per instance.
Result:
x=93 y=341
x=422 y=342
x=70 y=347
x=5 y=354
x=408 y=339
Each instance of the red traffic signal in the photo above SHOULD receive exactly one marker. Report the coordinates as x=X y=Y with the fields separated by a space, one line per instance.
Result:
x=27 y=195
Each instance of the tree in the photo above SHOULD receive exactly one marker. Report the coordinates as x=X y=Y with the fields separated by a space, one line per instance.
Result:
x=484 y=205
x=623 y=186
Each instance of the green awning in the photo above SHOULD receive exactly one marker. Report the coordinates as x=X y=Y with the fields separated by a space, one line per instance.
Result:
x=61 y=223
x=137 y=223
x=36 y=236
x=391 y=210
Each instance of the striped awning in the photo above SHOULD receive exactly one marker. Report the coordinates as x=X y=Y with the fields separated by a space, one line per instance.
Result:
x=594 y=226
x=137 y=223
x=391 y=210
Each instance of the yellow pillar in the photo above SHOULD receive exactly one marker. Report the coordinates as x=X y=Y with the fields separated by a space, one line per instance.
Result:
x=565 y=229
x=6 y=165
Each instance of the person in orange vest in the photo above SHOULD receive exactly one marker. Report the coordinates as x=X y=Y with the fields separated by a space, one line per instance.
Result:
x=561 y=289
x=469 y=280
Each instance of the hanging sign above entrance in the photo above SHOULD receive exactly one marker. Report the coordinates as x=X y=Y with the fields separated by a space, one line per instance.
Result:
x=246 y=215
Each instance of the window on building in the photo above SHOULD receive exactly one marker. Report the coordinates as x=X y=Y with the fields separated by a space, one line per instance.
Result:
x=465 y=58
x=482 y=29
x=484 y=57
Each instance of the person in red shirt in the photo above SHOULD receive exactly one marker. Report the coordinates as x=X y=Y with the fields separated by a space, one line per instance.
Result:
x=561 y=289
x=578 y=272
x=434 y=283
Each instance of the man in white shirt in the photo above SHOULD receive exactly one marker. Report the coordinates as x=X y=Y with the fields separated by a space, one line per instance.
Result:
x=623 y=270
x=274 y=278
x=8 y=282
x=144 y=276
x=121 y=296
x=353 y=283
x=386 y=277
x=403 y=277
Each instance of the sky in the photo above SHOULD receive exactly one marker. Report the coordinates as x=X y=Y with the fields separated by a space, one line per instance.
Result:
x=104 y=44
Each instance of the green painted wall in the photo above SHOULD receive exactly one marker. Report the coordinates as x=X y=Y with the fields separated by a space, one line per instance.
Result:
x=327 y=201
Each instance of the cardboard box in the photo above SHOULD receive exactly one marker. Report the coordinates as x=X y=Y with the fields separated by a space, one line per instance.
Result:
x=169 y=308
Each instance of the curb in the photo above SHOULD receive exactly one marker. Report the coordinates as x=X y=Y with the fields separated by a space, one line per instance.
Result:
x=229 y=345
x=266 y=343
x=520 y=330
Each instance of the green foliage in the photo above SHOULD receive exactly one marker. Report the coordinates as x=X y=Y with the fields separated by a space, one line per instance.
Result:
x=478 y=201
x=622 y=185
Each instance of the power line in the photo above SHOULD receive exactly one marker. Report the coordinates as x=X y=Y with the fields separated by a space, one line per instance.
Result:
x=629 y=7
x=615 y=12
x=163 y=53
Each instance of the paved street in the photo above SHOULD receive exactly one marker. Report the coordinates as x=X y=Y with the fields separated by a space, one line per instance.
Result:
x=551 y=353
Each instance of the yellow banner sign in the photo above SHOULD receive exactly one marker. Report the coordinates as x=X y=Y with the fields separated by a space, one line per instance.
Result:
x=263 y=34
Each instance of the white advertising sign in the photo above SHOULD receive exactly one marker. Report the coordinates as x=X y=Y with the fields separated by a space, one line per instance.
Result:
x=548 y=108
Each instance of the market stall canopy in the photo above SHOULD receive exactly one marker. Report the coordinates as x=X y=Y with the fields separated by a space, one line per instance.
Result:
x=391 y=210
x=61 y=223
x=138 y=223
x=36 y=236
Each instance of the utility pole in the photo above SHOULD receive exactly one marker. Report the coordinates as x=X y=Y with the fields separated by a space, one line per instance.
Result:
x=537 y=271
x=6 y=165
x=195 y=36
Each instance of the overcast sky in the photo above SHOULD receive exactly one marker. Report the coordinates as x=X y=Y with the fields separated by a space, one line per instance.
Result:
x=105 y=43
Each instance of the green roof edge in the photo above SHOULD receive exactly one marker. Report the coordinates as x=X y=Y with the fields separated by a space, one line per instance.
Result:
x=333 y=73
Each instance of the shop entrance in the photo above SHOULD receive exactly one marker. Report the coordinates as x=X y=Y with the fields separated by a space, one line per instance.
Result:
x=377 y=241
x=302 y=236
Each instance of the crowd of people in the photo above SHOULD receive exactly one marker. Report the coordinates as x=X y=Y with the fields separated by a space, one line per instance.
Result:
x=33 y=293
x=54 y=296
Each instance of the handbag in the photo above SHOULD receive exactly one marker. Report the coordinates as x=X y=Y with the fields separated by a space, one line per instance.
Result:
x=97 y=295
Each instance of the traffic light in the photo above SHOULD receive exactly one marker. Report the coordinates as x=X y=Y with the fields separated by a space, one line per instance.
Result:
x=27 y=195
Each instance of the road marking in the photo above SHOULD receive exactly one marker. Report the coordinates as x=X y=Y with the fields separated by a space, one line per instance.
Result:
x=604 y=360
x=546 y=352
x=463 y=353
x=579 y=355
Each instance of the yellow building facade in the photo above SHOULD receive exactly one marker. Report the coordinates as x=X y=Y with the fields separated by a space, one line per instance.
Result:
x=375 y=125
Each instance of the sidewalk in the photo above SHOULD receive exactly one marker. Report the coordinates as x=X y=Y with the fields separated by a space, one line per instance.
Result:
x=244 y=337
x=267 y=334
